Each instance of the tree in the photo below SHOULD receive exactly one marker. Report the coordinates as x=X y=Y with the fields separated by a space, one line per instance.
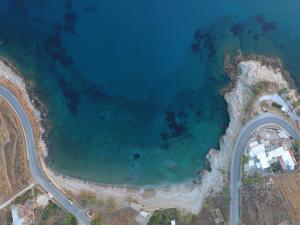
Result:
x=98 y=220
x=245 y=159
x=70 y=220
x=164 y=217
x=276 y=167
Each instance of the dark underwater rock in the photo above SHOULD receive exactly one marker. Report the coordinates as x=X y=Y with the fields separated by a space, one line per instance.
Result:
x=71 y=95
x=209 y=44
x=195 y=47
x=136 y=156
x=237 y=29
x=269 y=26
x=259 y=19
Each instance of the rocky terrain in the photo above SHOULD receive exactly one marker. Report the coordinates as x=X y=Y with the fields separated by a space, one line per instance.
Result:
x=246 y=75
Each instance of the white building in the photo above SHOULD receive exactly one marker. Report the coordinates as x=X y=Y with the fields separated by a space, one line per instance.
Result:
x=259 y=151
x=285 y=157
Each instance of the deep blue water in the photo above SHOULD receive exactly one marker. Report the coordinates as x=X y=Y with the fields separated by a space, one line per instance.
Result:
x=132 y=87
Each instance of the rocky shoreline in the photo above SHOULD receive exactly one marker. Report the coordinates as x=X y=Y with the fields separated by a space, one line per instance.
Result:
x=243 y=72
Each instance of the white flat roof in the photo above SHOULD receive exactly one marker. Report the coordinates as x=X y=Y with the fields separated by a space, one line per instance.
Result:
x=283 y=134
x=264 y=162
x=258 y=165
x=253 y=144
x=251 y=163
x=258 y=148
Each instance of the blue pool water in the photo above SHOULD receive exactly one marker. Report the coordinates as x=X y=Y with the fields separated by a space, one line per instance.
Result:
x=132 y=87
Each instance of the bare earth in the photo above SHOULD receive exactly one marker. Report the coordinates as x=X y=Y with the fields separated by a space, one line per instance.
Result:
x=289 y=186
x=264 y=204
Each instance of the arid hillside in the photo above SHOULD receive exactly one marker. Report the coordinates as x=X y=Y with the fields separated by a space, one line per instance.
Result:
x=14 y=173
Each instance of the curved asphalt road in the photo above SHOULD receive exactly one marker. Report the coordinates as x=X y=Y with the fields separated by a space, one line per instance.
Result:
x=34 y=163
x=238 y=150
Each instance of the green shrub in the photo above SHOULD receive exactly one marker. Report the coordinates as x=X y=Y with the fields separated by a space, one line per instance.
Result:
x=186 y=219
x=296 y=103
x=70 y=220
x=276 y=167
x=98 y=220
x=164 y=217
x=260 y=87
x=296 y=148
x=23 y=198
x=283 y=91
x=9 y=219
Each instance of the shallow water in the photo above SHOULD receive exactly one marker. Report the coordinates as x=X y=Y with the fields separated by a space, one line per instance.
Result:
x=132 y=87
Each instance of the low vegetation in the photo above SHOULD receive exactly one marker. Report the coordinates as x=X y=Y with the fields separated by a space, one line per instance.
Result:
x=245 y=160
x=70 y=220
x=256 y=89
x=260 y=87
x=164 y=217
x=97 y=220
x=111 y=205
x=283 y=91
x=276 y=167
x=9 y=219
x=52 y=214
x=23 y=198
x=225 y=196
x=87 y=198
x=297 y=150
x=253 y=179
x=296 y=103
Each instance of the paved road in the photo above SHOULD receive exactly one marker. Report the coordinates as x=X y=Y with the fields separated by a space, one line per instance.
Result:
x=240 y=144
x=34 y=163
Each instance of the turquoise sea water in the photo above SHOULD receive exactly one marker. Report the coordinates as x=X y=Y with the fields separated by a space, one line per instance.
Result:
x=132 y=87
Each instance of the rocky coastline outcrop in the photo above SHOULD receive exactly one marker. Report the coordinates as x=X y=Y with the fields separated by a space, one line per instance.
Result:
x=245 y=73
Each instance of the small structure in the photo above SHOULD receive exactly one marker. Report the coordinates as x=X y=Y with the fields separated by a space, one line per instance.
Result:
x=22 y=214
x=143 y=218
x=217 y=215
x=173 y=222
x=17 y=215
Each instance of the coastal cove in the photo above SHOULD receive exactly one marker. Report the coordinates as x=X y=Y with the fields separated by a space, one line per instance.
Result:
x=139 y=105
x=245 y=74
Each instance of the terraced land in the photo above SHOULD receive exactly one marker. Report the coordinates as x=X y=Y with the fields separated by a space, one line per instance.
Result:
x=14 y=174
